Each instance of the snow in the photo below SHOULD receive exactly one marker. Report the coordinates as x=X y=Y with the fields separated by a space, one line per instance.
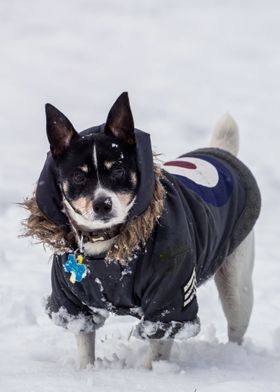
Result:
x=184 y=63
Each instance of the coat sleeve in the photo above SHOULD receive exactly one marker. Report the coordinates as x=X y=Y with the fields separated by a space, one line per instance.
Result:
x=169 y=303
x=65 y=309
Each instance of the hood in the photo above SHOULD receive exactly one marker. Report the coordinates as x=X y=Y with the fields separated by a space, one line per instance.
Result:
x=48 y=194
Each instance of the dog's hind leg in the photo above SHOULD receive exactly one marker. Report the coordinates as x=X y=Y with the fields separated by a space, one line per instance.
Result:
x=234 y=283
x=159 y=349
x=86 y=348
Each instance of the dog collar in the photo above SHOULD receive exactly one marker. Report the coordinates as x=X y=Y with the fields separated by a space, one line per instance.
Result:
x=102 y=235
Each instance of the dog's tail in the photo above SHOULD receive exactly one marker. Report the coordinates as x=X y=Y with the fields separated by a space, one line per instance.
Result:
x=226 y=135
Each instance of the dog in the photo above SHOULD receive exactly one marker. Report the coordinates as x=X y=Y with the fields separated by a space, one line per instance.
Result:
x=132 y=236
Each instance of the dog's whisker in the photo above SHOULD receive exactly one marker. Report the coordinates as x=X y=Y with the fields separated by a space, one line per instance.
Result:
x=88 y=215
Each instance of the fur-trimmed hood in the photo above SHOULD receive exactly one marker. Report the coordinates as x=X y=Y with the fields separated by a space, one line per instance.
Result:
x=135 y=232
x=48 y=194
x=49 y=224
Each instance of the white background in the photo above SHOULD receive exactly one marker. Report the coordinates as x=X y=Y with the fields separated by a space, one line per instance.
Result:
x=183 y=63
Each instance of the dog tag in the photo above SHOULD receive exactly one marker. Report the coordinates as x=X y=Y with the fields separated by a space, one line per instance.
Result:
x=76 y=268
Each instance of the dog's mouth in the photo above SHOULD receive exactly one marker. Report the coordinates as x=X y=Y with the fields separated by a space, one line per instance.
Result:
x=101 y=234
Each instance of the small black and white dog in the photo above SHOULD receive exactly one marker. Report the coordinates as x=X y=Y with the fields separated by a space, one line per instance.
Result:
x=133 y=237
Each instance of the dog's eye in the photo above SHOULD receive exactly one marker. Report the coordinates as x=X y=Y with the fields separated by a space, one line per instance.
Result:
x=118 y=172
x=79 y=177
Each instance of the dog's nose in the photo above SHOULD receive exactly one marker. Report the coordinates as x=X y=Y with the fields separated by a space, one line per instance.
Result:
x=102 y=206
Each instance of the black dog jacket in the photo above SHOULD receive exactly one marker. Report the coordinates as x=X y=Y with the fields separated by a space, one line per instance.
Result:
x=212 y=203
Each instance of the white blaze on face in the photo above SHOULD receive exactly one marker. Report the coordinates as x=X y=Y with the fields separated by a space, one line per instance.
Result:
x=94 y=156
x=95 y=161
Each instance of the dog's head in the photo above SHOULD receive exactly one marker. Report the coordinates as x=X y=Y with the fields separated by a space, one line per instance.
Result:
x=96 y=172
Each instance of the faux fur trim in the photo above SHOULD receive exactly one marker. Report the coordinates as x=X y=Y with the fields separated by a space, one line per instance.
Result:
x=137 y=231
x=43 y=230
x=134 y=234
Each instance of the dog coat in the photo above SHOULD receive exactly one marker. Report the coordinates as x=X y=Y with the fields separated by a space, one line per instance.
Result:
x=211 y=204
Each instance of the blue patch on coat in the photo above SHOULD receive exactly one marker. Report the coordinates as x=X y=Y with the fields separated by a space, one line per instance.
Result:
x=217 y=195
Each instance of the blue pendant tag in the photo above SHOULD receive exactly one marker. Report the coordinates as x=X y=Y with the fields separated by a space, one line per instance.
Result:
x=76 y=267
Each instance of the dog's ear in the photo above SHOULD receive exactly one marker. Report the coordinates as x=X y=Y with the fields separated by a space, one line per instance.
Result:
x=120 y=121
x=60 y=131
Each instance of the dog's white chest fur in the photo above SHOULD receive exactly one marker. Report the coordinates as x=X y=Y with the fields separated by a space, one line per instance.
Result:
x=98 y=247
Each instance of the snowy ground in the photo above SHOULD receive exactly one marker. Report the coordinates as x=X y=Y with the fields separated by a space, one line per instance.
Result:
x=184 y=63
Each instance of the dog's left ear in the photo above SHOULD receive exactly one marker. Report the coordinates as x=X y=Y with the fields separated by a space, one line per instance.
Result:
x=120 y=120
x=60 y=131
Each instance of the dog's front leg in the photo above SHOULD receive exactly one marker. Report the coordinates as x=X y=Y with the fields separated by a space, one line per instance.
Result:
x=86 y=348
x=159 y=349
